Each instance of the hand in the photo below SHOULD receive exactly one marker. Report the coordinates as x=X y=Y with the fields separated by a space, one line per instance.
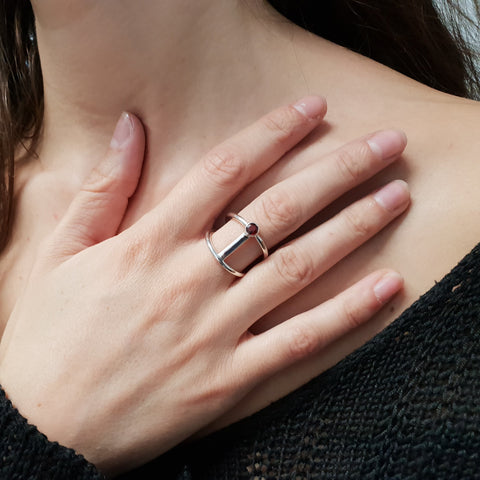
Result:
x=122 y=346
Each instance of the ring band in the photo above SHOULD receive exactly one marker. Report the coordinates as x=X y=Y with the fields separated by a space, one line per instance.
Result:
x=251 y=231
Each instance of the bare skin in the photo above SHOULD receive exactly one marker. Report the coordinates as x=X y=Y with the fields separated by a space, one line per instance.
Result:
x=215 y=67
x=98 y=368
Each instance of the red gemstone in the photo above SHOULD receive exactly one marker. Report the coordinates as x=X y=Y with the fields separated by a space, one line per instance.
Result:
x=252 y=229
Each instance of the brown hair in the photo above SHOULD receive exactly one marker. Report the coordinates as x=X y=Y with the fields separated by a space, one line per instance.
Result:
x=407 y=35
x=21 y=97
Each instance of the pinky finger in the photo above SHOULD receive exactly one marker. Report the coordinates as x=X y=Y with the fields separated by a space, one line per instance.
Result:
x=308 y=333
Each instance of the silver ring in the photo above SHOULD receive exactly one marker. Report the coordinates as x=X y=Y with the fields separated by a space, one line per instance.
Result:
x=251 y=231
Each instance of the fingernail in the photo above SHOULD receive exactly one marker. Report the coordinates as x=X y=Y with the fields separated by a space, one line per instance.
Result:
x=393 y=195
x=388 y=143
x=123 y=131
x=388 y=286
x=311 y=107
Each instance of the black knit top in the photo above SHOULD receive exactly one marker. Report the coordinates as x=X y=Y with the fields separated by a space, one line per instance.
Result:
x=404 y=406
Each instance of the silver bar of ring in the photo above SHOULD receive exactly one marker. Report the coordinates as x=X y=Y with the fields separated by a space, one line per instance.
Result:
x=251 y=231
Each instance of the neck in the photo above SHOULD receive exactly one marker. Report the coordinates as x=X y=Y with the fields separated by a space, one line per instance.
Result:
x=179 y=67
x=195 y=72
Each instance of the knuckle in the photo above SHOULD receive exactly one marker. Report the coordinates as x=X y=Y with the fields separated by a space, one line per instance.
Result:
x=294 y=269
x=98 y=181
x=282 y=123
x=137 y=254
x=350 y=162
x=224 y=166
x=278 y=209
x=302 y=343
x=357 y=222
x=351 y=315
x=214 y=391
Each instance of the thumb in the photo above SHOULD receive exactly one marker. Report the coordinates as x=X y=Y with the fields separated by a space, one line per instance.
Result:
x=96 y=212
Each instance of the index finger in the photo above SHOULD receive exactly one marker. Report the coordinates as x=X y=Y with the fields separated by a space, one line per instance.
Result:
x=215 y=180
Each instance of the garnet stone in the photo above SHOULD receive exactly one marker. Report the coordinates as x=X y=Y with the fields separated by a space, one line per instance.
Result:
x=251 y=229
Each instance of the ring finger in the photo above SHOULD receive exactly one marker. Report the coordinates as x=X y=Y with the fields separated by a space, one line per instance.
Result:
x=298 y=263
x=283 y=208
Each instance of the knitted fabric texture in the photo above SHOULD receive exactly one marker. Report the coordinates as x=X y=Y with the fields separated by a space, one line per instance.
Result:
x=405 y=406
x=26 y=454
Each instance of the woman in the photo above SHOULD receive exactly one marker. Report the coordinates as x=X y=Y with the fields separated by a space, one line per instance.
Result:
x=89 y=289
x=81 y=61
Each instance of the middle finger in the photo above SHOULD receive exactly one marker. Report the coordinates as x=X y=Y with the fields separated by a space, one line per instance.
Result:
x=283 y=208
